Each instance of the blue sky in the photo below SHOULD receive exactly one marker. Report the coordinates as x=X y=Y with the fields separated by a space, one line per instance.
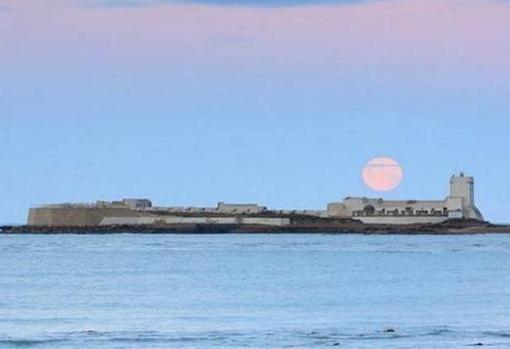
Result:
x=276 y=106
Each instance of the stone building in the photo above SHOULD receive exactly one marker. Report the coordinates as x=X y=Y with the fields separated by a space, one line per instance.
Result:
x=459 y=204
x=137 y=203
x=240 y=208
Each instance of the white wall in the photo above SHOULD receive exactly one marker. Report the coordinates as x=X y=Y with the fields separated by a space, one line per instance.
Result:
x=401 y=220
x=193 y=220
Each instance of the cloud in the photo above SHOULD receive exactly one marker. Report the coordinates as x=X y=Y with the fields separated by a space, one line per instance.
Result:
x=251 y=3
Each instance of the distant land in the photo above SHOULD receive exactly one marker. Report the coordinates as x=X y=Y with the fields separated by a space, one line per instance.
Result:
x=299 y=225
x=456 y=214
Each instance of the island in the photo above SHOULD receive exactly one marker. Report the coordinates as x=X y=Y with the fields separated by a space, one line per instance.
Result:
x=456 y=214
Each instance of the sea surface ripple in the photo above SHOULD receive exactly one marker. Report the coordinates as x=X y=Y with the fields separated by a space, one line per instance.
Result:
x=254 y=291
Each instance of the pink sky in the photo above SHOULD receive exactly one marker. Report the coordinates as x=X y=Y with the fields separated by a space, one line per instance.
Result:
x=418 y=80
x=439 y=36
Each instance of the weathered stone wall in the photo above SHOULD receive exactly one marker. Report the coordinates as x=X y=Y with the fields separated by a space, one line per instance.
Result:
x=98 y=216
x=239 y=208
x=401 y=220
x=194 y=220
x=359 y=204
x=74 y=216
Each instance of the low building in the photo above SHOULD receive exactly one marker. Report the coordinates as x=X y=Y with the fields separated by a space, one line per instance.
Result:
x=240 y=208
x=137 y=203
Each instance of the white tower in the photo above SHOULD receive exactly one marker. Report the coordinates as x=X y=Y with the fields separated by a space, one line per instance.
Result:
x=463 y=187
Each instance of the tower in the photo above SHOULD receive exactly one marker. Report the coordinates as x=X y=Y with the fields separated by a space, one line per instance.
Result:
x=463 y=187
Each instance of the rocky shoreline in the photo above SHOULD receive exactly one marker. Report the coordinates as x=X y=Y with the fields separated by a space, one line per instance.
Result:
x=318 y=226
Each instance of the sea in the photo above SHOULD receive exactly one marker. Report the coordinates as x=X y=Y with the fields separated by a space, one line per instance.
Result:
x=254 y=291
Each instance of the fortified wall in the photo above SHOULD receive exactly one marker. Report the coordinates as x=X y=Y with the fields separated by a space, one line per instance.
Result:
x=73 y=216
x=141 y=212
x=458 y=205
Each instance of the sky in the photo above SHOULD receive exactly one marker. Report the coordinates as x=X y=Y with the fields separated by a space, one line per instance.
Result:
x=277 y=102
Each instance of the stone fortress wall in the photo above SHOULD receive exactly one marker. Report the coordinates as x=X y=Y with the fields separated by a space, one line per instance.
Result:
x=141 y=212
x=459 y=204
x=269 y=221
x=75 y=216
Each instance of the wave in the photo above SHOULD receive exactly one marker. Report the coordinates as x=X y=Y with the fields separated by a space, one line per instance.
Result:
x=412 y=337
x=500 y=334
x=22 y=342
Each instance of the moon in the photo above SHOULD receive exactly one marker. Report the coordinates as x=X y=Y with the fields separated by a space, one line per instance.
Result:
x=383 y=174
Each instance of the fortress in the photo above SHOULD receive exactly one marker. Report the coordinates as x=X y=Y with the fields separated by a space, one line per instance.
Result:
x=460 y=204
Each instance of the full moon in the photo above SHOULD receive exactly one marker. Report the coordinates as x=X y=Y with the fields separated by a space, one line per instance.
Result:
x=383 y=174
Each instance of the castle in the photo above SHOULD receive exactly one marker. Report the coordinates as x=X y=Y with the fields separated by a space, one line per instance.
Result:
x=460 y=204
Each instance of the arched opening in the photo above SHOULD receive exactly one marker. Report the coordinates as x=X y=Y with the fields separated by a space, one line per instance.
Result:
x=369 y=210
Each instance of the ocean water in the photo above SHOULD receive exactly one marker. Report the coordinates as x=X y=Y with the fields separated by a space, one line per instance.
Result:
x=254 y=291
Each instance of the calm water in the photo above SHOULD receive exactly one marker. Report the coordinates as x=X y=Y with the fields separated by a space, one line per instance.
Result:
x=254 y=291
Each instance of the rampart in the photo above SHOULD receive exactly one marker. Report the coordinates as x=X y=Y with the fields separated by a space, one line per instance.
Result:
x=91 y=216
x=460 y=204
x=75 y=216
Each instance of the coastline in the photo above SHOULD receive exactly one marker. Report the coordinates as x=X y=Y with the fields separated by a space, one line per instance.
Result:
x=451 y=227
